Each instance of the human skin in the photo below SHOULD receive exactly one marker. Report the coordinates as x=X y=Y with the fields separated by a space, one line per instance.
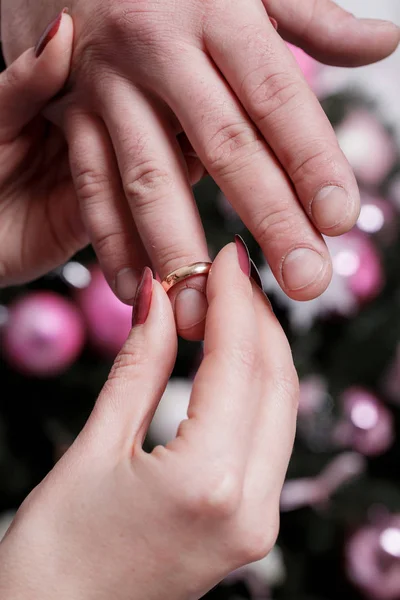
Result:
x=112 y=521
x=40 y=219
x=154 y=82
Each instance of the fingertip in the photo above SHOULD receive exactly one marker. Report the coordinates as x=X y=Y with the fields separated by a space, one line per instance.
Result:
x=317 y=287
x=52 y=55
x=384 y=35
x=334 y=210
x=190 y=306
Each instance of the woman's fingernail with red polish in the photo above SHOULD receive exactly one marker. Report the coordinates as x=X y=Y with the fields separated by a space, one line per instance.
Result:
x=142 y=302
x=255 y=275
x=274 y=23
x=243 y=255
x=49 y=33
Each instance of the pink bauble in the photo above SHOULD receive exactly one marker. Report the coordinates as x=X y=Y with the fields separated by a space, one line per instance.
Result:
x=44 y=334
x=366 y=425
x=378 y=217
x=373 y=559
x=109 y=321
x=308 y=65
x=356 y=260
x=368 y=147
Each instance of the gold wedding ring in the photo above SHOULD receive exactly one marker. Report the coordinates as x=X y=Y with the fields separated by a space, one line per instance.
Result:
x=200 y=268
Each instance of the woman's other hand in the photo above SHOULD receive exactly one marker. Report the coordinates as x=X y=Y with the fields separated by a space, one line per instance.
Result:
x=112 y=521
x=40 y=223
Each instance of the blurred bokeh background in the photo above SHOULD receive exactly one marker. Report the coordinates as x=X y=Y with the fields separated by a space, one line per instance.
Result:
x=340 y=526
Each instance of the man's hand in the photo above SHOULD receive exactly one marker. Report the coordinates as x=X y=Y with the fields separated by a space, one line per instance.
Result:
x=155 y=82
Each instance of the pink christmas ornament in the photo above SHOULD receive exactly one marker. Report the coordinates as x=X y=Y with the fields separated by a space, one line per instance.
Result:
x=378 y=217
x=109 y=321
x=367 y=146
x=308 y=65
x=44 y=334
x=366 y=425
x=373 y=559
x=357 y=261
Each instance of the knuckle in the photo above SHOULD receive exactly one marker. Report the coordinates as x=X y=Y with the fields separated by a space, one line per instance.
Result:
x=215 y=496
x=316 y=159
x=277 y=226
x=130 y=361
x=12 y=78
x=257 y=542
x=111 y=244
x=90 y=185
x=145 y=183
x=232 y=148
x=275 y=91
x=140 y=29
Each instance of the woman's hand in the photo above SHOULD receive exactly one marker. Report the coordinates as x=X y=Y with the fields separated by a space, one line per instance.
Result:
x=155 y=82
x=40 y=223
x=112 y=521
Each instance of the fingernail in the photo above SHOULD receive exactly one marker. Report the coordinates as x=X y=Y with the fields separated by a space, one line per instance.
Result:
x=142 y=303
x=243 y=255
x=190 y=308
x=301 y=268
x=380 y=23
x=255 y=275
x=274 y=23
x=126 y=283
x=49 y=33
x=330 y=207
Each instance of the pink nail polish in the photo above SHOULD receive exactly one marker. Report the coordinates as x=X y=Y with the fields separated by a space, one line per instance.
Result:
x=49 y=33
x=142 y=302
x=243 y=255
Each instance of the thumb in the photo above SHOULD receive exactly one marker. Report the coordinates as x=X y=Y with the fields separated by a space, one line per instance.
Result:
x=31 y=81
x=331 y=34
x=140 y=374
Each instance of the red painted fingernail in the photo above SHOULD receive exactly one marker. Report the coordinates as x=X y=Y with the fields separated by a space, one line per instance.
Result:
x=49 y=33
x=274 y=23
x=243 y=255
x=255 y=275
x=142 y=302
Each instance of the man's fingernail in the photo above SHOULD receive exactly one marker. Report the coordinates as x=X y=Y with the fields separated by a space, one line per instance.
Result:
x=49 y=33
x=243 y=255
x=190 y=308
x=301 y=268
x=126 y=284
x=142 y=303
x=381 y=23
x=255 y=275
x=330 y=207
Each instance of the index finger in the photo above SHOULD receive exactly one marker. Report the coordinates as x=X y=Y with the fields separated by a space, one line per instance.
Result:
x=226 y=389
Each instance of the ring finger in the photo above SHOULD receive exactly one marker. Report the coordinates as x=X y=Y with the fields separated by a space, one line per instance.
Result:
x=159 y=195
